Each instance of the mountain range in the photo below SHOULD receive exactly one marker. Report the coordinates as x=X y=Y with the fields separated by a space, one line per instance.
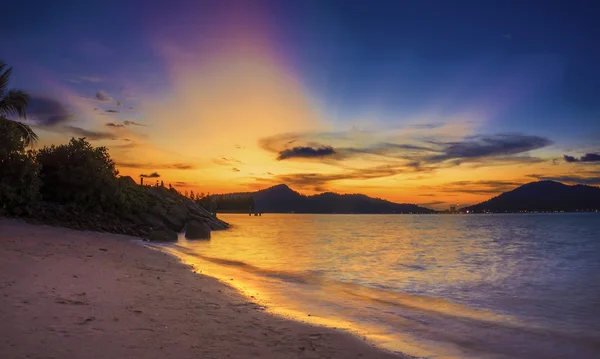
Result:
x=542 y=196
x=282 y=199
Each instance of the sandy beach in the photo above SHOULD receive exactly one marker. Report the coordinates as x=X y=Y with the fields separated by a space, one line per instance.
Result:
x=76 y=294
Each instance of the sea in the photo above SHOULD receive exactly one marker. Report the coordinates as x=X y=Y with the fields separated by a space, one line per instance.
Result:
x=429 y=286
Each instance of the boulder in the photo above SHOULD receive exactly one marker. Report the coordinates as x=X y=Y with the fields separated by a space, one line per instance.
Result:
x=173 y=222
x=126 y=181
x=180 y=212
x=158 y=210
x=214 y=223
x=152 y=220
x=131 y=218
x=163 y=235
x=197 y=230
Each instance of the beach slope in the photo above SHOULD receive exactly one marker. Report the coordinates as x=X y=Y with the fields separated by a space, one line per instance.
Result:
x=74 y=294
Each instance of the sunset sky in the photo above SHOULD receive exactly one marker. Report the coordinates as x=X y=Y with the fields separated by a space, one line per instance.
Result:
x=427 y=102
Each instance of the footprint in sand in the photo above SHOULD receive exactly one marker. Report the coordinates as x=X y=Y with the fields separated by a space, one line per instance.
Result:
x=67 y=301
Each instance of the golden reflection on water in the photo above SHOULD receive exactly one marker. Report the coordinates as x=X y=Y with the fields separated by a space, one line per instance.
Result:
x=358 y=273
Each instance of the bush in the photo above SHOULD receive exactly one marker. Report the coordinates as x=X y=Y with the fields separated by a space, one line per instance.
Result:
x=79 y=175
x=131 y=198
x=19 y=182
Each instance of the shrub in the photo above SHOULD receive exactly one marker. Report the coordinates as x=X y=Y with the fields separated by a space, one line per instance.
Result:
x=19 y=182
x=79 y=175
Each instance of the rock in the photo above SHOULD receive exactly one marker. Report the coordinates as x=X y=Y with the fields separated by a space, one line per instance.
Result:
x=152 y=220
x=214 y=223
x=132 y=218
x=126 y=181
x=197 y=230
x=157 y=210
x=163 y=235
x=180 y=212
x=172 y=222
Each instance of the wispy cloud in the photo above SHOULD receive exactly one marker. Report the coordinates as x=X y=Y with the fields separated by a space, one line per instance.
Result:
x=148 y=165
x=418 y=150
x=133 y=123
x=103 y=96
x=46 y=111
x=480 y=146
x=150 y=175
x=474 y=187
x=306 y=152
x=89 y=134
x=588 y=157
x=226 y=161
x=320 y=181
x=81 y=79
x=592 y=179
x=112 y=111
x=112 y=124
x=405 y=155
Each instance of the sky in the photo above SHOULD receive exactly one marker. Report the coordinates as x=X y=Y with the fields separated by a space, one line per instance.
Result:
x=427 y=102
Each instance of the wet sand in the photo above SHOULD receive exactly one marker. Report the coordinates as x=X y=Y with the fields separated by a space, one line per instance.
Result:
x=73 y=294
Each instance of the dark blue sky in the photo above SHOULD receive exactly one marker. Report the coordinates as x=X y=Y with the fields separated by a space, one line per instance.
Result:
x=539 y=57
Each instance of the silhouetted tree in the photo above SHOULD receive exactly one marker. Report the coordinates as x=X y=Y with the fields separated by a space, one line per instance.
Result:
x=19 y=171
x=14 y=103
x=78 y=174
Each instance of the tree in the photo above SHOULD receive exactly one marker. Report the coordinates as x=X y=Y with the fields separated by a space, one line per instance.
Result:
x=19 y=180
x=78 y=174
x=192 y=196
x=14 y=103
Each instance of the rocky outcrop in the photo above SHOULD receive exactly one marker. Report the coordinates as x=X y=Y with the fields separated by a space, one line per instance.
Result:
x=163 y=235
x=152 y=220
x=160 y=214
x=197 y=230
x=126 y=181
x=180 y=212
x=172 y=222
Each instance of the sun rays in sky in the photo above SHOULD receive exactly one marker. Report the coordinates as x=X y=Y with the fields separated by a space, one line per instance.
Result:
x=243 y=96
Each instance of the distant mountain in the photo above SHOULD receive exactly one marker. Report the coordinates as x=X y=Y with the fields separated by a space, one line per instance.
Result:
x=282 y=199
x=543 y=196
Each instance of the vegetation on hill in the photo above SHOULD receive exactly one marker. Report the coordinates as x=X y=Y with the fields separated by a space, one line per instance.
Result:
x=77 y=185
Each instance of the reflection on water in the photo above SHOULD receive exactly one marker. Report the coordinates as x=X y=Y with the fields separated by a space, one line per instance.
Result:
x=443 y=286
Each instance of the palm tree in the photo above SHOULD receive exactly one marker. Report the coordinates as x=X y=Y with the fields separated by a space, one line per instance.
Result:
x=13 y=103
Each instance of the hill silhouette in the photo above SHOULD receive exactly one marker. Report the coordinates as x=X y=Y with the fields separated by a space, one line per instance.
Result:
x=543 y=196
x=282 y=199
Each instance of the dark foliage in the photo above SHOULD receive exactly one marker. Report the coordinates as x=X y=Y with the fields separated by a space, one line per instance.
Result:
x=19 y=182
x=78 y=174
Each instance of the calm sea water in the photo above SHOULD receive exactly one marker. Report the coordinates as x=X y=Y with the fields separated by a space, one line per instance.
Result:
x=438 y=286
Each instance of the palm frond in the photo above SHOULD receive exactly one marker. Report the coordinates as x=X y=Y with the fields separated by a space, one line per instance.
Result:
x=14 y=103
x=4 y=77
x=29 y=137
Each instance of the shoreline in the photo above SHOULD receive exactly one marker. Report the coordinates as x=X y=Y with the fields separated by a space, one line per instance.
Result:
x=72 y=294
